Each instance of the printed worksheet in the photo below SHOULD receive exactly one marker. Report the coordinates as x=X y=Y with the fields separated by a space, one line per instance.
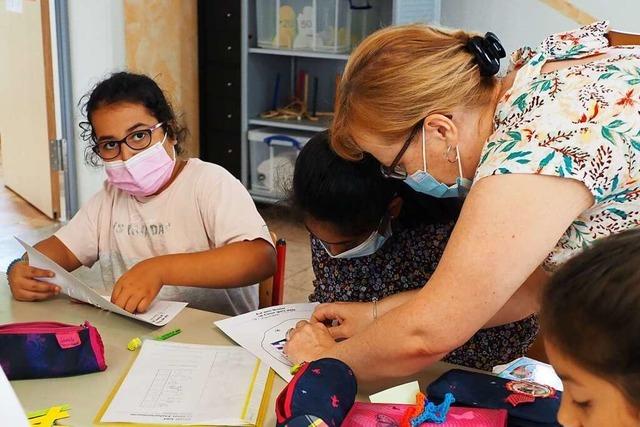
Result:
x=262 y=332
x=159 y=314
x=175 y=383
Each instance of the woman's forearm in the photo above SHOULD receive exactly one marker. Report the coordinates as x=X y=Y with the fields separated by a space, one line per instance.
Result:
x=375 y=354
x=488 y=257
x=396 y=300
x=236 y=264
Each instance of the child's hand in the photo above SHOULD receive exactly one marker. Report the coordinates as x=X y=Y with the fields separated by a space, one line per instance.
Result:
x=25 y=286
x=137 y=288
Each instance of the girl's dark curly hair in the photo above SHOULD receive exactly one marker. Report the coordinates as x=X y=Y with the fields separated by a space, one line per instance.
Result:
x=136 y=89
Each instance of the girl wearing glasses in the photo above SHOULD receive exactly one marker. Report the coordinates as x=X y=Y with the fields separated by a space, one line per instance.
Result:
x=553 y=149
x=162 y=226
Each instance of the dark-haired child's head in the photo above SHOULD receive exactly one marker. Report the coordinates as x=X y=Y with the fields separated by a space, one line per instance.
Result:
x=591 y=322
x=122 y=104
x=342 y=202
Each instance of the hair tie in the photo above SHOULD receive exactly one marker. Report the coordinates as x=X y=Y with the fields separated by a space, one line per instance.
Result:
x=487 y=51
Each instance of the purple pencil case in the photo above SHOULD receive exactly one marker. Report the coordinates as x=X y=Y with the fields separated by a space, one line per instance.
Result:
x=50 y=349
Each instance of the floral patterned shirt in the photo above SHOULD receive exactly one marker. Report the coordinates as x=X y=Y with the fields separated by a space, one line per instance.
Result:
x=580 y=122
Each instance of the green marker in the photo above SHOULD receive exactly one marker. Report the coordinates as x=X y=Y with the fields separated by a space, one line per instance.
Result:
x=135 y=343
x=168 y=335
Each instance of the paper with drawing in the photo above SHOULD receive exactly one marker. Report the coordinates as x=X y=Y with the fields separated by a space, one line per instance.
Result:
x=175 y=383
x=262 y=332
x=159 y=314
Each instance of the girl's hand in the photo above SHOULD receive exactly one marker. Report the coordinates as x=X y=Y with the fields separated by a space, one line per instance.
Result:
x=308 y=342
x=137 y=288
x=344 y=319
x=25 y=286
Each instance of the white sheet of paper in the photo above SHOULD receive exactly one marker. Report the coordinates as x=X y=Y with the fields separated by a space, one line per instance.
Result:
x=262 y=332
x=398 y=395
x=174 y=383
x=12 y=413
x=159 y=314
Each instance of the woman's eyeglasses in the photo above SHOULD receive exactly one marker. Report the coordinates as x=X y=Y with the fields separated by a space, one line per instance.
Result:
x=136 y=140
x=394 y=170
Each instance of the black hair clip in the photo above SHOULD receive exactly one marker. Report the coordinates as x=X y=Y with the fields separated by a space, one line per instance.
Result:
x=488 y=51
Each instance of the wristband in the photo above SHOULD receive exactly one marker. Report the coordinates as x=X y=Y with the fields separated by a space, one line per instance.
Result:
x=14 y=262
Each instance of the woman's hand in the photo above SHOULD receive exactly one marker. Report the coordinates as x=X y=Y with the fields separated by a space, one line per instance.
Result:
x=137 y=288
x=344 y=319
x=25 y=286
x=307 y=342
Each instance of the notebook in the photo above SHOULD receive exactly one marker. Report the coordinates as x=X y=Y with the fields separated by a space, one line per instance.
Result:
x=190 y=384
x=389 y=415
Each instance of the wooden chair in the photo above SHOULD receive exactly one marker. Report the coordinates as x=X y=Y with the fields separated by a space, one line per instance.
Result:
x=271 y=290
x=617 y=38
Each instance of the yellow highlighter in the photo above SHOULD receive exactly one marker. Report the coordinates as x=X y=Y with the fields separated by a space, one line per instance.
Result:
x=136 y=342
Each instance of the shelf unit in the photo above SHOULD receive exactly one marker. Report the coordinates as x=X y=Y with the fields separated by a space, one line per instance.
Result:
x=260 y=68
x=237 y=78
x=299 y=53
x=306 y=125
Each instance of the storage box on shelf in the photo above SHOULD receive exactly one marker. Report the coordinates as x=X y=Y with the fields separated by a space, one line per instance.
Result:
x=316 y=25
x=273 y=155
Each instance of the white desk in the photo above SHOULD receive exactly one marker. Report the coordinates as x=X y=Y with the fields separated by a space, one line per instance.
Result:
x=86 y=393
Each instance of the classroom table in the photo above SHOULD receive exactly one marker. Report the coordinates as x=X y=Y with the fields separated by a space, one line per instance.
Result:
x=86 y=393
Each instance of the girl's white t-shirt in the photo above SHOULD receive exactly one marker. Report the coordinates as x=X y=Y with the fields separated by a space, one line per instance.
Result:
x=204 y=208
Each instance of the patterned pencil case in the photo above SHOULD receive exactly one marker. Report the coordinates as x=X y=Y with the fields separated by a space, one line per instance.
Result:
x=529 y=404
x=50 y=349
x=320 y=394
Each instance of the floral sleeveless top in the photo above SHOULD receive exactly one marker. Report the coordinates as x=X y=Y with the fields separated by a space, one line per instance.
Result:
x=580 y=122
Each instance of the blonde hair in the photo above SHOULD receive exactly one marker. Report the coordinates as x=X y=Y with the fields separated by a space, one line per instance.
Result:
x=399 y=75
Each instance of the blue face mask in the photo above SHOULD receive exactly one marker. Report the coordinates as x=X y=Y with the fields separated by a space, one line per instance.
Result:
x=366 y=248
x=422 y=182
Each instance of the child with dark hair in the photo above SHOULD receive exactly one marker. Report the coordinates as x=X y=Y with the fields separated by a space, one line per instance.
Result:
x=374 y=238
x=159 y=220
x=591 y=322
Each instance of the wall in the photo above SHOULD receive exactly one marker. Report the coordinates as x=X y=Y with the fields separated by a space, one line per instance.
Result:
x=520 y=22
x=96 y=31
x=161 y=41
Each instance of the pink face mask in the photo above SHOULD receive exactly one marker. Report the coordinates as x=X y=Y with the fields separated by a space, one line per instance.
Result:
x=143 y=174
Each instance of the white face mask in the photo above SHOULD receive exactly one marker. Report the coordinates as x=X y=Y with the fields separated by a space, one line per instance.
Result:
x=366 y=248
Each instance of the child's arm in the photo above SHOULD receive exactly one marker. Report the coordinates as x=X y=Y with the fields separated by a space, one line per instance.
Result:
x=233 y=265
x=23 y=279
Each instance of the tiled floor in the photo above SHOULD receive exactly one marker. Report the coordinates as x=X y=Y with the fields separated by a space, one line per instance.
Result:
x=18 y=218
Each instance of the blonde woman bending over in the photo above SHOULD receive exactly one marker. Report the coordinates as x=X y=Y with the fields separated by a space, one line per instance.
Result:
x=550 y=155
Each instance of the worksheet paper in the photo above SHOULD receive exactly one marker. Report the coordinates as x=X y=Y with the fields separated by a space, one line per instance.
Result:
x=262 y=332
x=159 y=314
x=12 y=413
x=174 y=383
